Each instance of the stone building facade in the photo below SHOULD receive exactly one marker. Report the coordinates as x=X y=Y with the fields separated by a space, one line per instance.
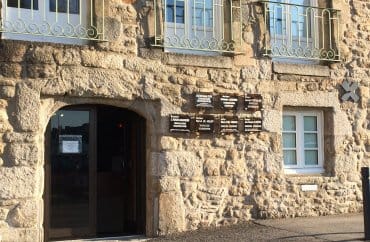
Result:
x=192 y=180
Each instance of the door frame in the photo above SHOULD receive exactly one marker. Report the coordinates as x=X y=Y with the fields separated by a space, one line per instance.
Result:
x=147 y=218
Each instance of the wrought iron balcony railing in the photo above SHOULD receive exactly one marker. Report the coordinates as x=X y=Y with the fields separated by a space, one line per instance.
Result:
x=71 y=19
x=188 y=26
x=298 y=31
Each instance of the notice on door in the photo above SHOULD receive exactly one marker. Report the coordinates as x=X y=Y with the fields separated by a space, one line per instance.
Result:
x=70 y=144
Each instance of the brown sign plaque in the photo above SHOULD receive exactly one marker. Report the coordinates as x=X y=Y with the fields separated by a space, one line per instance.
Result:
x=229 y=102
x=252 y=125
x=180 y=123
x=205 y=124
x=203 y=100
x=229 y=124
x=253 y=102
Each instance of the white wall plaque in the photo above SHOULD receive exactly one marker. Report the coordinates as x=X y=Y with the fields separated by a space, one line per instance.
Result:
x=309 y=187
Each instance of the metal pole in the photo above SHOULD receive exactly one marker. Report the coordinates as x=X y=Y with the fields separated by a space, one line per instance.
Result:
x=366 y=200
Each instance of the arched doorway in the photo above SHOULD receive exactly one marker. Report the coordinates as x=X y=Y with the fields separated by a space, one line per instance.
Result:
x=95 y=173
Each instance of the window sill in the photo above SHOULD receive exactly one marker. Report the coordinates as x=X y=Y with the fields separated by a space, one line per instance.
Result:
x=308 y=69
x=176 y=59
x=319 y=171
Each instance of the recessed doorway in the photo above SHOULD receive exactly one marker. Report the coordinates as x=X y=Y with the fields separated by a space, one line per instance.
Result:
x=95 y=173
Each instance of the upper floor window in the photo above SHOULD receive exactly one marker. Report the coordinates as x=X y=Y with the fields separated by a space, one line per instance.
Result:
x=60 y=21
x=191 y=26
x=301 y=29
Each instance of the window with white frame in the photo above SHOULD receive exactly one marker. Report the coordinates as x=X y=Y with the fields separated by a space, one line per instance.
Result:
x=59 y=21
x=301 y=29
x=190 y=26
x=302 y=137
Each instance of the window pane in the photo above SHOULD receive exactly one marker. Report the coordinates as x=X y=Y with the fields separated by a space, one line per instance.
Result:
x=203 y=14
x=175 y=12
x=23 y=4
x=74 y=6
x=289 y=141
x=310 y=123
x=289 y=123
x=311 y=157
x=290 y=157
x=310 y=140
x=299 y=2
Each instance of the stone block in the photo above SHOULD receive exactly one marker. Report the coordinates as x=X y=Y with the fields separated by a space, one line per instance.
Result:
x=249 y=73
x=309 y=99
x=4 y=122
x=13 y=70
x=169 y=143
x=21 y=234
x=212 y=167
x=180 y=163
x=7 y=91
x=12 y=137
x=22 y=154
x=18 y=182
x=215 y=153
x=106 y=60
x=272 y=120
x=27 y=108
x=201 y=61
x=171 y=213
x=55 y=86
x=276 y=87
x=364 y=94
x=167 y=165
x=68 y=56
x=25 y=214
x=3 y=213
x=301 y=69
x=169 y=184
x=41 y=71
x=100 y=82
x=12 y=51
x=41 y=54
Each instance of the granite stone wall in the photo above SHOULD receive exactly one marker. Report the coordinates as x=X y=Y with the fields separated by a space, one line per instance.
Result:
x=193 y=180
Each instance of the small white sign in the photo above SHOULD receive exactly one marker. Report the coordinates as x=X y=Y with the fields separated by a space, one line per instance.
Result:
x=309 y=187
x=70 y=146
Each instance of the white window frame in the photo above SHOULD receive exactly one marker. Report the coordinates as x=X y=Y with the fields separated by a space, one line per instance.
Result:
x=285 y=38
x=301 y=167
x=190 y=28
x=43 y=14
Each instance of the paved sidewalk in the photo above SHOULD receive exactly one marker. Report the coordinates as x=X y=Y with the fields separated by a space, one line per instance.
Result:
x=328 y=228
x=338 y=228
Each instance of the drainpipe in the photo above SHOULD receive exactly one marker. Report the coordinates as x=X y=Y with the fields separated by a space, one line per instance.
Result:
x=366 y=200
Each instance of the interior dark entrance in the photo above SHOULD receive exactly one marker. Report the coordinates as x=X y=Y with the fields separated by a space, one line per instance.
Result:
x=95 y=173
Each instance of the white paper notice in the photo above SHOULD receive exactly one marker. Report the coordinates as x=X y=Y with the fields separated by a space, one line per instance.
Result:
x=70 y=146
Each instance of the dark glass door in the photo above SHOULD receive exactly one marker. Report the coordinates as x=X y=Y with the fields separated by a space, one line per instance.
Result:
x=71 y=164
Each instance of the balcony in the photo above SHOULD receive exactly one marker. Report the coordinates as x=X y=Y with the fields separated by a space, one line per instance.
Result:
x=48 y=20
x=301 y=32
x=198 y=26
